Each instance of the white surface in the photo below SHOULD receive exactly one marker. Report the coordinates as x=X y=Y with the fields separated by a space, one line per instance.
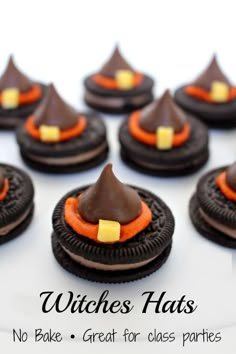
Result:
x=62 y=41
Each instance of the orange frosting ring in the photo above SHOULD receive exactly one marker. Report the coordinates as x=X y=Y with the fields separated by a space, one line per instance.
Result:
x=83 y=227
x=150 y=138
x=73 y=132
x=204 y=95
x=30 y=96
x=5 y=189
x=225 y=189
x=111 y=84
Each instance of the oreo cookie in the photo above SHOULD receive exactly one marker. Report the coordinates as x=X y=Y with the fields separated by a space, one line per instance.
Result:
x=211 y=97
x=212 y=213
x=116 y=262
x=16 y=202
x=220 y=116
x=75 y=154
x=19 y=96
x=117 y=101
x=10 y=118
x=117 y=88
x=180 y=160
x=92 y=140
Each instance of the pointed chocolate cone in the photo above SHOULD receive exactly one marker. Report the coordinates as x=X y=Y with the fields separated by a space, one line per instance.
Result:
x=54 y=111
x=13 y=77
x=231 y=176
x=162 y=113
x=212 y=73
x=116 y=62
x=109 y=199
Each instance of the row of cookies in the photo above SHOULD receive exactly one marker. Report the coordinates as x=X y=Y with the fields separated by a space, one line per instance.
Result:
x=159 y=139
x=118 y=88
x=113 y=232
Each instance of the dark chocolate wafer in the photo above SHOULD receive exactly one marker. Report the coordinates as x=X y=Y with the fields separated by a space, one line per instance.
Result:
x=93 y=138
x=216 y=115
x=102 y=276
x=17 y=207
x=10 y=118
x=173 y=171
x=213 y=202
x=79 y=167
x=205 y=229
x=180 y=160
x=152 y=242
x=118 y=101
x=19 y=229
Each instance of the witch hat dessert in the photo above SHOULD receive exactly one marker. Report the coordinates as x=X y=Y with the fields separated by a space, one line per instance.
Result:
x=19 y=96
x=213 y=206
x=16 y=202
x=161 y=139
x=117 y=87
x=111 y=232
x=57 y=138
x=211 y=97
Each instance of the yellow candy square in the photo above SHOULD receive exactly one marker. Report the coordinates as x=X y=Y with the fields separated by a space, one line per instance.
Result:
x=49 y=133
x=164 y=138
x=10 y=98
x=124 y=79
x=219 y=91
x=108 y=231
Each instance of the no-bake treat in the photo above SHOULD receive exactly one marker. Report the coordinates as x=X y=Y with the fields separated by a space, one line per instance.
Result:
x=211 y=97
x=16 y=202
x=213 y=206
x=19 y=96
x=117 y=87
x=163 y=140
x=111 y=232
x=58 y=139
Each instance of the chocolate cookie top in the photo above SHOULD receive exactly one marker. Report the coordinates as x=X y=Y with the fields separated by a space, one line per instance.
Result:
x=213 y=202
x=231 y=176
x=212 y=73
x=19 y=197
x=14 y=78
x=162 y=112
x=116 y=62
x=54 y=111
x=109 y=199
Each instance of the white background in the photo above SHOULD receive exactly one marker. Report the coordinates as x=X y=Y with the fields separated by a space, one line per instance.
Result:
x=62 y=41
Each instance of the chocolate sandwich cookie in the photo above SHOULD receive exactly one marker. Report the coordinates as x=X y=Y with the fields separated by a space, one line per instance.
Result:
x=58 y=139
x=211 y=97
x=117 y=87
x=213 y=206
x=111 y=232
x=163 y=140
x=16 y=202
x=19 y=96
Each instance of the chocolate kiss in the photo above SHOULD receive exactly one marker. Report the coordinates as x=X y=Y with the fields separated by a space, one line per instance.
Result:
x=212 y=73
x=109 y=199
x=54 y=111
x=13 y=77
x=162 y=113
x=231 y=176
x=116 y=62
x=2 y=177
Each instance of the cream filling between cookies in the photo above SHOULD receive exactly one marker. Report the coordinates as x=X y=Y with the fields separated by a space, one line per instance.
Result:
x=101 y=266
x=61 y=161
x=218 y=226
x=8 y=228
x=116 y=102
